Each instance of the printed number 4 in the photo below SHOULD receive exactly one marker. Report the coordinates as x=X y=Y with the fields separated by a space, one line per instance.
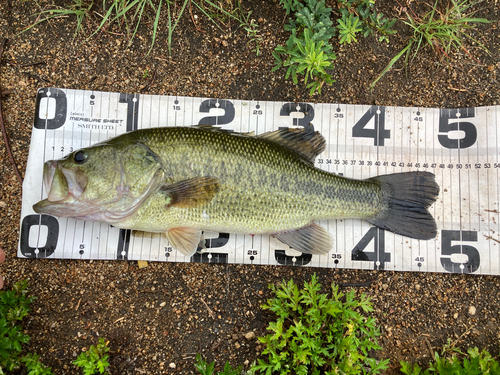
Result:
x=378 y=133
x=378 y=255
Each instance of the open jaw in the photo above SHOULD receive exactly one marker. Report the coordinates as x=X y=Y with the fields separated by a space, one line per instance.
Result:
x=62 y=183
x=65 y=196
x=64 y=187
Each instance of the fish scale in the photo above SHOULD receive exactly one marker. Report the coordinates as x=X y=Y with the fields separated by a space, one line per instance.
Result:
x=265 y=187
x=184 y=180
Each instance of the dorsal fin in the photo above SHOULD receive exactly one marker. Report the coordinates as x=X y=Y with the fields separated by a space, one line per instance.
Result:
x=307 y=143
x=304 y=141
x=215 y=128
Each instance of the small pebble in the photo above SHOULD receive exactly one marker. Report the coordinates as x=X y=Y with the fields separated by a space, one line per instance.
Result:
x=250 y=335
x=171 y=365
x=472 y=310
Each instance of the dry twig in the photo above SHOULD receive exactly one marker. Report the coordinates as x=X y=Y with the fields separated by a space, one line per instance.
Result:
x=210 y=312
x=2 y=126
x=145 y=88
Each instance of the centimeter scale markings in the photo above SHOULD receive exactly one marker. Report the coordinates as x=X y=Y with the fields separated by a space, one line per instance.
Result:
x=459 y=145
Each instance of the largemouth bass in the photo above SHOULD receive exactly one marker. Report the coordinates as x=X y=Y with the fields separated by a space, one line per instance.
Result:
x=184 y=180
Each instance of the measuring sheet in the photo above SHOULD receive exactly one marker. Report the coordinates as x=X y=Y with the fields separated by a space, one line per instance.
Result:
x=460 y=146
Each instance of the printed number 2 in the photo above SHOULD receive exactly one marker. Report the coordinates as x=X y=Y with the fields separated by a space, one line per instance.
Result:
x=445 y=126
x=448 y=251
x=378 y=133
x=209 y=104
x=211 y=256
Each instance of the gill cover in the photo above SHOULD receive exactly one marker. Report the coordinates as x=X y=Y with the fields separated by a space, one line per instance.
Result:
x=105 y=182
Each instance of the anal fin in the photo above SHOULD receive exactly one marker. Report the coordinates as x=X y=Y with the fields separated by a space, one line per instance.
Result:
x=186 y=240
x=312 y=239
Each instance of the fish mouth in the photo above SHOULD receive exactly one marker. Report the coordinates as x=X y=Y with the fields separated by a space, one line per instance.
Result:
x=64 y=186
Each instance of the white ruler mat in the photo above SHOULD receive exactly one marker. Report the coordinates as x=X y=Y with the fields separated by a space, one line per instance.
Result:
x=460 y=146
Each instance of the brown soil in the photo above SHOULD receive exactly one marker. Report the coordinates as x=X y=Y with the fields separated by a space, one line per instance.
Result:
x=166 y=313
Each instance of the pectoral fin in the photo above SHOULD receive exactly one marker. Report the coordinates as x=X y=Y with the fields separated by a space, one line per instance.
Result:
x=186 y=240
x=192 y=192
x=312 y=239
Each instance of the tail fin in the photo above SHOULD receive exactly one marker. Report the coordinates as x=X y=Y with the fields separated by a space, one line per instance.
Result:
x=408 y=195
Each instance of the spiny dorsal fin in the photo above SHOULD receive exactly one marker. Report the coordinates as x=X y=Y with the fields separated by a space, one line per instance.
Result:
x=307 y=143
x=192 y=192
x=212 y=128
x=220 y=130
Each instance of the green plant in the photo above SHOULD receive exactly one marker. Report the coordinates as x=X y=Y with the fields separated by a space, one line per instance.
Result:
x=252 y=29
x=308 y=50
x=370 y=21
x=132 y=12
x=94 y=359
x=443 y=32
x=205 y=368
x=14 y=306
x=78 y=9
x=118 y=10
x=472 y=363
x=315 y=334
x=348 y=29
x=34 y=366
x=237 y=14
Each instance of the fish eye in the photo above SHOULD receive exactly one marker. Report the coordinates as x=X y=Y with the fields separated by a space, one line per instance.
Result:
x=80 y=157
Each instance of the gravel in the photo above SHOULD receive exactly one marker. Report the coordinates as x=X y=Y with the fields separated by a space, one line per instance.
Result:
x=157 y=318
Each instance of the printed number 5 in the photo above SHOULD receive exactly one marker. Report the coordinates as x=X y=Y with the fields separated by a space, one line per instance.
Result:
x=449 y=252
x=445 y=126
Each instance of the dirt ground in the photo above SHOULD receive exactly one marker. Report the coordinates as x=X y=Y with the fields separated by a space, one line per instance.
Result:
x=157 y=318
